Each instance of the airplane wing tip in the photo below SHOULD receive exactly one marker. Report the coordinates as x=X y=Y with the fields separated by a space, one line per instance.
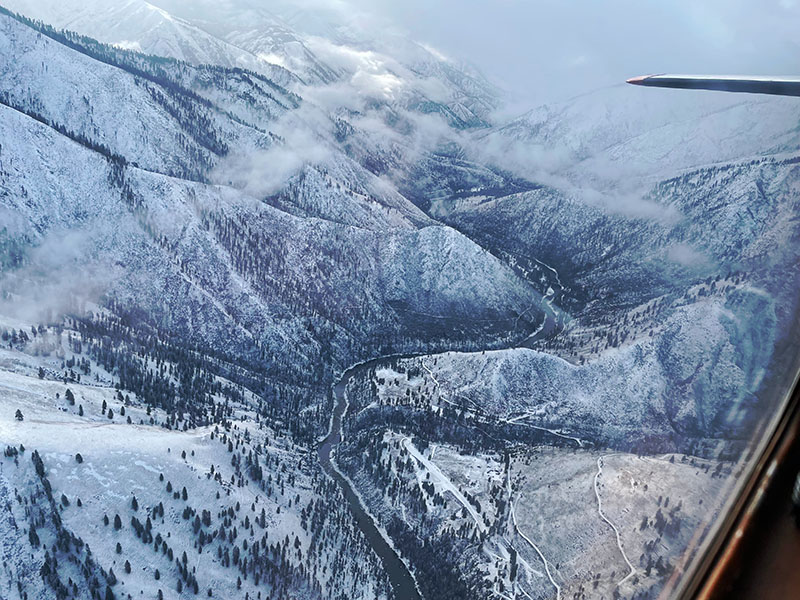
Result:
x=637 y=80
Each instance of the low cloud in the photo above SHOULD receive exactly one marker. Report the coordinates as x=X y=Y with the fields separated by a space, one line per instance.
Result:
x=687 y=256
x=618 y=188
x=60 y=276
x=262 y=173
x=370 y=73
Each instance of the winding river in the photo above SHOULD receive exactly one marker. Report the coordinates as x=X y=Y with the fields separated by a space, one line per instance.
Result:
x=399 y=576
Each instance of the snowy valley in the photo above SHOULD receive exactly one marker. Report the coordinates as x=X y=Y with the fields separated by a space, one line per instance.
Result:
x=280 y=299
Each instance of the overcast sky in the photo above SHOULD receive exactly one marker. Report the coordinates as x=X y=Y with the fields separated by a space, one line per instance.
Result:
x=549 y=49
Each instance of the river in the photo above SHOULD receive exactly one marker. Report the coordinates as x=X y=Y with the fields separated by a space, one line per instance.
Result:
x=399 y=576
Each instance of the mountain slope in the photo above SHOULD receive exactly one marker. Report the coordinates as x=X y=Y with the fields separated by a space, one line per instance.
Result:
x=623 y=136
x=153 y=505
x=187 y=238
x=143 y=26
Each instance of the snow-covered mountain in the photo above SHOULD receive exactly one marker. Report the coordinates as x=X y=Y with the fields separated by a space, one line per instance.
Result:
x=211 y=219
x=210 y=211
x=620 y=133
x=143 y=26
x=227 y=35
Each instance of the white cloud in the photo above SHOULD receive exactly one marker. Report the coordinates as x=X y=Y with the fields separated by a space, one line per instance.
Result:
x=61 y=274
x=435 y=52
x=370 y=73
x=379 y=85
x=262 y=173
x=274 y=59
x=687 y=256
x=129 y=45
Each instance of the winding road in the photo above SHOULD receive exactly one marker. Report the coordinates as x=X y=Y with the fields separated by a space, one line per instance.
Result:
x=607 y=520
x=531 y=543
